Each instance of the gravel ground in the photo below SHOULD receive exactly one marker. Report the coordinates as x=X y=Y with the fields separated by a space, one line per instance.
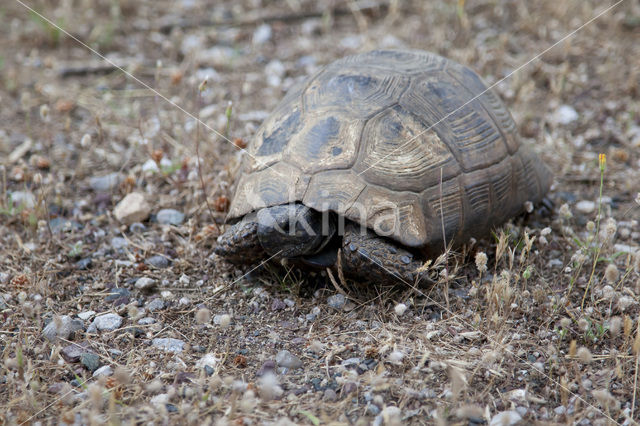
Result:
x=114 y=309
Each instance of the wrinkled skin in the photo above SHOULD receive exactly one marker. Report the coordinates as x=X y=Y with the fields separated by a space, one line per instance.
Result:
x=298 y=233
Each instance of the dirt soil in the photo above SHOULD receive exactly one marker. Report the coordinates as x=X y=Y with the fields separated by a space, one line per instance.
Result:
x=103 y=320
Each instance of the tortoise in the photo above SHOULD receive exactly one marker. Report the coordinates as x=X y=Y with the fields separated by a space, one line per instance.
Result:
x=377 y=161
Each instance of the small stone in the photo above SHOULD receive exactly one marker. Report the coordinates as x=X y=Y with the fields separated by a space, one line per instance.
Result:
x=209 y=360
x=565 y=114
x=86 y=315
x=169 y=217
x=20 y=151
x=105 y=371
x=585 y=206
x=400 y=309
x=274 y=71
x=560 y=410
x=349 y=387
x=106 y=322
x=72 y=353
x=61 y=224
x=118 y=243
x=105 y=183
x=223 y=320
x=117 y=294
x=278 y=305
x=262 y=34
x=150 y=166
x=158 y=261
x=286 y=359
x=90 y=360
x=60 y=327
x=23 y=198
x=330 y=395
x=267 y=367
x=391 y=415
x=337 y=301
x=373 y=410
x=168 y=344
x=351 y=362
x=145 y=283
x=84 y=264
x=146 y=321
x=506 y=418
x=132 y=208
x=156 y=304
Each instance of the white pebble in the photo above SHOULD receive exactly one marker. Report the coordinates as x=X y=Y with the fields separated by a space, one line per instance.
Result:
x=585 y=206
x=400 y=309
x=565 y=114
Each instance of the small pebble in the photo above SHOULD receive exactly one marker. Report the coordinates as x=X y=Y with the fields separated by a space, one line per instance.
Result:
x=373 y=410
x=506 y=418
x=84 y=264
x=150 y=166
x=286 y=359
x=118 y=243
x=156 y=304
x=90 y=360
x=61 y=328
x=209 y=360
x=158 y=261
x=337 y=301
x=267 y=367
x=349 y=387
x=23 y=198
x=105 y=371
x=565 y=114
x=169 y=344
x=72 y=353
x=223 y=320
x=146 y=321
x=330 y=395
x=262 y=34
x=86 y=315
x=116 y=294
x=350 y=362
x=145 y=283
x=585 y=206
x=132 y=208
x=400 y=309
x=274 y=71
x=278 y=305
x=169 y=217
x=106 y=322
x=105 y=183
x=61 y=224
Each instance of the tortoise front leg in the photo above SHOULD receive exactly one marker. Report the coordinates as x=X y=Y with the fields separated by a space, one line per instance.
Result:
x=240 y=244
x=378 y=260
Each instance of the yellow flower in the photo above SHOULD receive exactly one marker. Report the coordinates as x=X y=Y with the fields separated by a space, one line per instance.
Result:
x=602 y=159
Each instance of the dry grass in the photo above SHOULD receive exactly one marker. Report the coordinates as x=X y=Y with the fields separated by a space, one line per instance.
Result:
x=541 y=319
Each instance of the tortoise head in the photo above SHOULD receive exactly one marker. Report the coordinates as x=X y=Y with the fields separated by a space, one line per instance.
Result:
x=293 y=230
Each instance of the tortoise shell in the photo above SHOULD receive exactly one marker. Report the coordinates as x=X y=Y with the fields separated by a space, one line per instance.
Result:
x=407 y=143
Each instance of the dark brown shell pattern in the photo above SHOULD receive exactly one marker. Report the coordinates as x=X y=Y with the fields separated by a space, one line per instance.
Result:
x=404 y=142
